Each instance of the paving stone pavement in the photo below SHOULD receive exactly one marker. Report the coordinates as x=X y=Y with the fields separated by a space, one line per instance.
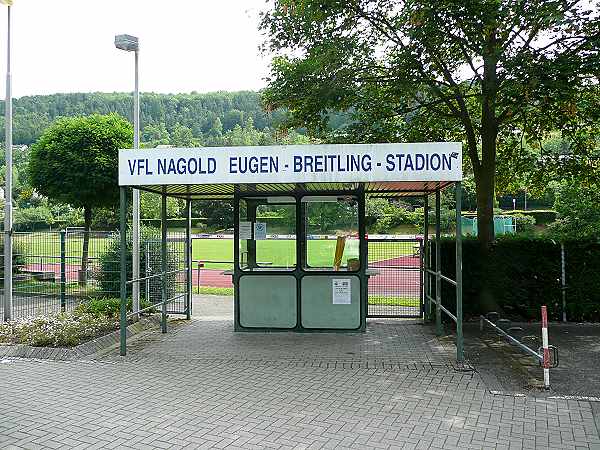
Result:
x=204 y=386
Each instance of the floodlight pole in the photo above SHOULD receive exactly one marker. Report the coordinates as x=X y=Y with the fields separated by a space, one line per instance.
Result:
x=136 y=194
x=8 y=223
x=131 y=43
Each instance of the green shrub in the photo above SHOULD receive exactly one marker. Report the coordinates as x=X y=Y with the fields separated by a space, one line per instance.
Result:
x=18 y=258
x=109 y=273
x=540 y=216
x=109 y=307
x=524 y=273
x=383 y=215
x=60 y=330
x=525 y=224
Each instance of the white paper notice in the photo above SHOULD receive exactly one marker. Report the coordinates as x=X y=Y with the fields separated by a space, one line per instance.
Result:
x=260 y=231
x=342 y=291
x=245 y=230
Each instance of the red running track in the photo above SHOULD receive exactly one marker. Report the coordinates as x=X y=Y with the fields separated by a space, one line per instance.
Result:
x=390 y=280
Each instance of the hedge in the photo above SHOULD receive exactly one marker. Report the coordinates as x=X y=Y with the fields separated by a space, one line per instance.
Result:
x=524 y=274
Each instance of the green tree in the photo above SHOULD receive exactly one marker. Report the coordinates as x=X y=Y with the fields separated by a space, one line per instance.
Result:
x=150 y=206
x=183 y=137
x=75 y=162
x=492 y=73
x=578 y=214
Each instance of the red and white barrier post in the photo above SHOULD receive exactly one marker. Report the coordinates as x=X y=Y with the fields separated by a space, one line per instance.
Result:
x=546 y=361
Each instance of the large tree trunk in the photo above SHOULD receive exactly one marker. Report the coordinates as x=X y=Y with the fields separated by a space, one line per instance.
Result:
x=485 y=175
x=87 y=217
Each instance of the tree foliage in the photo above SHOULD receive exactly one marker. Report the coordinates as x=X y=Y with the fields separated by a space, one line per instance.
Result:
x=494 y=74
x=578 y=213
x=74 y=161
x=161 y=115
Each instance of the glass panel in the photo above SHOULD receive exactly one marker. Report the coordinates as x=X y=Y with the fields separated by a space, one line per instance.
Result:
x=268 y=233
x=332 y=233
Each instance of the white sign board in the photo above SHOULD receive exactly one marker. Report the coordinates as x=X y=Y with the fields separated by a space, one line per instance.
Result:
x=342 y=291
x=246 y=230
x=260 y=231
x=329 y=163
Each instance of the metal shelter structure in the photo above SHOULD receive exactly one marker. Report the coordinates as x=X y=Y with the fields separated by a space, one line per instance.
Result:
x=302 y=293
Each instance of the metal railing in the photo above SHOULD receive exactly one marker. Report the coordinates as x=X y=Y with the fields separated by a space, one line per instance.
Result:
x=546 y=356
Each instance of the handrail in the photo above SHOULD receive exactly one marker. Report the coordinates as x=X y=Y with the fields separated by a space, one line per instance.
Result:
x=442 y=276
x=449 y=280
x=442 y=308
x=160 y=274
x=512 y=340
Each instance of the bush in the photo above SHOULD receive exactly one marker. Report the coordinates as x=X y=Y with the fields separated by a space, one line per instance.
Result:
x=108 y=307
x=383 y=215
x=18 y=258
x=61 y=330
x=524 y=223
x=109 y=273
x=540 y=216
x=524 y=273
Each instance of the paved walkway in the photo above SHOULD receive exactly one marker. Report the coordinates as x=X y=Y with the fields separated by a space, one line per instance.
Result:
x=201 y=385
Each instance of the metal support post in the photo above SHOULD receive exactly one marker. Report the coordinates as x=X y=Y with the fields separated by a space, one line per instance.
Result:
x=363 y=257
x=438 y=266
x=563 y=281
x=251 y=207
x=63 y=269
x=460 y=355
x=8 y=222
x=425 y=256
x=188 y=258
x=148 y=269
x=123 y=250
x=546 y=350
x=163 y=262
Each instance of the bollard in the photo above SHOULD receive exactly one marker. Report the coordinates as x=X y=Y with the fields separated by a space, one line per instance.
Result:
x=546 y=361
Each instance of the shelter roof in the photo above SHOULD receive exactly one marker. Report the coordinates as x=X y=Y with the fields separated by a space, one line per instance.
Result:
x=387 y=170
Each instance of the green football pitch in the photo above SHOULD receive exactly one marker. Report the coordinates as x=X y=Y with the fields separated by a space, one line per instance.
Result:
x=281 y=252
x=274 y=252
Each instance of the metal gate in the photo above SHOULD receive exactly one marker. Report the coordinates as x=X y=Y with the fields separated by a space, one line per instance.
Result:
x=395 y=278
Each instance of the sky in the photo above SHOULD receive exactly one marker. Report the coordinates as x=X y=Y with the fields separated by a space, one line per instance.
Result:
x=185 y=45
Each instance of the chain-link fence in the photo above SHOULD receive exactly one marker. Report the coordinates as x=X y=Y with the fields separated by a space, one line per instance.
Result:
x=394 y=278
x=56 y=271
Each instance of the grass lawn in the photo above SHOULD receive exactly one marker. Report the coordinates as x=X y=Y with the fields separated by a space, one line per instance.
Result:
x=281 y=252
x=48 y=244
x=393 y=301
x=278 y=252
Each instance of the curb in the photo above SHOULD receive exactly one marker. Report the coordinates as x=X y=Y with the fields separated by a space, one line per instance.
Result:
x=86 y=349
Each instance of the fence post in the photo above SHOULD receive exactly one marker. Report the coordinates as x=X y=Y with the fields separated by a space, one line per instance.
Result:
x=460 y=355
x=425 y=257
x=188 y=257
x=438 y=265
x=163 y=262
x=546 y=361
x=63 y=269
x=123 y=283
x=148 y=270
x=563 y=282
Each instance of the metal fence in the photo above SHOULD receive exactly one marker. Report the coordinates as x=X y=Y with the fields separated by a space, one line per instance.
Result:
x=395 y=274
x=50 y=273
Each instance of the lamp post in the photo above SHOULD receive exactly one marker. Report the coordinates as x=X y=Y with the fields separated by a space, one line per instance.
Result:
x=131 y=44
x=8 y=300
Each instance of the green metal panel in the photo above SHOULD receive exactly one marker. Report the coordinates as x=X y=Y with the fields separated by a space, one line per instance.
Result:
x=318 y=310
x=267 y=301
x=502 y=225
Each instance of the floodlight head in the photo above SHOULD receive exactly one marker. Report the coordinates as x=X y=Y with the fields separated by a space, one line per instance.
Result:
x=127 y=42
